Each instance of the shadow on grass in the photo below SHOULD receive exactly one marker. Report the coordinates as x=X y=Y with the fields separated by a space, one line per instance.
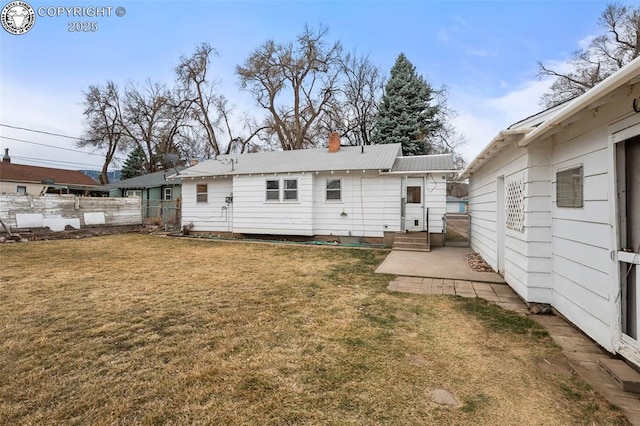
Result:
x=500 y=320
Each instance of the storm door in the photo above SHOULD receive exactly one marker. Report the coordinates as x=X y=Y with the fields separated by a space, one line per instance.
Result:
x=628 y=256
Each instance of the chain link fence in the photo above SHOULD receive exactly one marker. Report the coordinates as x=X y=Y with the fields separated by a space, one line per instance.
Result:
x=164 y=214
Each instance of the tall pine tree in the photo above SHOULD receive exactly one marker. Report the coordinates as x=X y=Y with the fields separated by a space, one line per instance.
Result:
x=406 y=114
x=134 y=164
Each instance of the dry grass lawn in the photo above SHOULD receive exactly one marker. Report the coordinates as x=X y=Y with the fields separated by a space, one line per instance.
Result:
x=137 y=329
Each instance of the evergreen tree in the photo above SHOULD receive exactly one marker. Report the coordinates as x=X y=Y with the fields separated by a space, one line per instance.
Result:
x=134 y=165
x=406 y=114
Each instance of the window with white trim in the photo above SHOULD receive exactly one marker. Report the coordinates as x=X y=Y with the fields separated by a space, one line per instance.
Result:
x=290 y=191
x=569 y=188
x=202 y=193
x=272 y=190
x=334 y=190
x=167 y=194
x=137 y=193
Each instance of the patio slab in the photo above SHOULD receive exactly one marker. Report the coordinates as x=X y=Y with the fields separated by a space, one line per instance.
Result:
x=440 y=262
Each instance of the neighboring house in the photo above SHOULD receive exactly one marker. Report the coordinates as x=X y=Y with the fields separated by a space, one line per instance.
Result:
x=359 y=191
x=152 y=186
x=456 y=205
x=23 y=179
x=555 y=206
x=160 y=197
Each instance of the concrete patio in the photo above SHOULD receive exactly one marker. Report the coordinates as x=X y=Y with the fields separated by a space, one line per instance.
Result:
x=440 y=262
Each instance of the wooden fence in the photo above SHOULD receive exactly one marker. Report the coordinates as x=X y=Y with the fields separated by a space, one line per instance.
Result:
x=59 y=212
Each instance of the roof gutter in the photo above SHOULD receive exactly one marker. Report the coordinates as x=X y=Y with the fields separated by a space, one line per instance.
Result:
x=626 y=74
x=504 y=138
x=418 y=172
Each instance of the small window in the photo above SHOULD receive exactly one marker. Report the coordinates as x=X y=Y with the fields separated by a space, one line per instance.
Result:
x=569 y=188
x=22 y=189
x=202 y=193
x=290 y=190
x=273 y=190
x=167 y=194
x=413 y=195
x=334 y=190
x=134 y=193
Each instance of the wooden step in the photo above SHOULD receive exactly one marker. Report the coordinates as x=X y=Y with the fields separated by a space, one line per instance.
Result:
x=625 y=377
x=412 y=241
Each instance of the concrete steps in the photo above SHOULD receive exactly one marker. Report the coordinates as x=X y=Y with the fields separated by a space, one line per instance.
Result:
x=625 y=377
x=412 y=241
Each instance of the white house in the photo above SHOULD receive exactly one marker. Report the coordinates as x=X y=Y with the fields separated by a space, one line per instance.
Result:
x=369 y=192
x=555 y=205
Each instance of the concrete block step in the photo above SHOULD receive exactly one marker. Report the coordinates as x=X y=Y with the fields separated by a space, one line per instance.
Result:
x=409 y=240
x=625 y=377
x=409 y=243
x=412 y=248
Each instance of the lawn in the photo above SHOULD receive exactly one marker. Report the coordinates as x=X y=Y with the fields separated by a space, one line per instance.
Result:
x=139 y=329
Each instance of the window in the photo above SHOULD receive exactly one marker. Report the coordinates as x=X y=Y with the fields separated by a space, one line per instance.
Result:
x=134 y=193
x=202 y=193
x=290 y=190
x=22 y=189
x=167 y=194
x=334 y=190
x=569 y=188
x=273 y=190
x=413 y=195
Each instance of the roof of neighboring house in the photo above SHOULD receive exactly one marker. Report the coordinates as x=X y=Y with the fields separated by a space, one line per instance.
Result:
x=369 y=157
x=542 y=125
x=33 y=174
x=151 y=180
x=424 y=163
x=451 y=199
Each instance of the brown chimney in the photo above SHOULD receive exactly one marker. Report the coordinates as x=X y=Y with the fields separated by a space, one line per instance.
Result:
x=6 y=158
x=334 y=142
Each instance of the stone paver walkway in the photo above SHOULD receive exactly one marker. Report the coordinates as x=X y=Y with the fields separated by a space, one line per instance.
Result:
x=500 y=294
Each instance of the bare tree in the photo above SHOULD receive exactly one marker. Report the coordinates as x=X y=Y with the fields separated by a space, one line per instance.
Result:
x=294 y=82
x=352 y=111
x=210 y=110
x=447 y=139
x=152 y=118
x=103 y=113
x=605 y=55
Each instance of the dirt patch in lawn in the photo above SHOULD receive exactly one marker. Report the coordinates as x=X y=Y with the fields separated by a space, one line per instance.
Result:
x=142 y=329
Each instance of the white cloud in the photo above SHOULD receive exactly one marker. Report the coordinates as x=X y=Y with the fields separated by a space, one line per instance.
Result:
x=481 y=53
x=443 y=36
x=584 y=42
x=480 y=119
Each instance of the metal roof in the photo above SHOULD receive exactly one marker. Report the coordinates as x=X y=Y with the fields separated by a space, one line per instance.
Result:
x=151 y=180
x=369 y=157
x=424 y=163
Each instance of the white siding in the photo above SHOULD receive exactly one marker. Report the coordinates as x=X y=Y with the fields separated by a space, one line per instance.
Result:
x=369 y=206
x=435 y=199
x=527 y=251
x=582 y=236
x=252 y=214
x=213 y=216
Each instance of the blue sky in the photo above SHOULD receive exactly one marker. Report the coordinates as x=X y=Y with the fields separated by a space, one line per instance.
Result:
x=485 y=52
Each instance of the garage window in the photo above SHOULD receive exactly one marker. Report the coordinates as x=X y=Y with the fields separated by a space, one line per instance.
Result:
x=569 y=188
